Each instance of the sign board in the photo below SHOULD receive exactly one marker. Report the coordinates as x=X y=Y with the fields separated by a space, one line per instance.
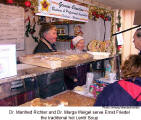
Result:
x=7 y=61
x=62 y=9
x=12 y=25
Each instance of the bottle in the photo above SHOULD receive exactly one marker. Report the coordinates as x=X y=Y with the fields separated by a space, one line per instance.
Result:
x=107 y=70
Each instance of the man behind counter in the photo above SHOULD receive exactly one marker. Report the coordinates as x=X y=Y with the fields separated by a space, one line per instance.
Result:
x=48 y=35
x=52 y=83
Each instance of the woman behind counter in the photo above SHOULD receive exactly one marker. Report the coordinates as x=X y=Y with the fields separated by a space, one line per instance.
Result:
x=79 y=43
x=76 y=76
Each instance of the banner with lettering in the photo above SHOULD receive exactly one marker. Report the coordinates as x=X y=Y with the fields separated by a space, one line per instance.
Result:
x=62 y=9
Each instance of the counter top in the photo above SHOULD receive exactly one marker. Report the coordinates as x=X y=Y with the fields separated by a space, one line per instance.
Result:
x=69 y=98
x=27 y=71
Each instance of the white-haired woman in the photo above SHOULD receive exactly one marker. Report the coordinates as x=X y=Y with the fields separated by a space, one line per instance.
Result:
x=76 y=76
x=79 y=43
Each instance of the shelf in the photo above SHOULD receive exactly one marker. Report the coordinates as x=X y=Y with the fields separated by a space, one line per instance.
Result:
x=63 y=23
x=64 y=38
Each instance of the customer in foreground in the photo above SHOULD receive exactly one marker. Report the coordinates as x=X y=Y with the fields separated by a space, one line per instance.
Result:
x=125 y=92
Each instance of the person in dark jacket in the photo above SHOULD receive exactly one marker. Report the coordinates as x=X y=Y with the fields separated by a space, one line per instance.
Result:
x=48 y=36
x=126 y=92
x=137 y=40
x=51 y=83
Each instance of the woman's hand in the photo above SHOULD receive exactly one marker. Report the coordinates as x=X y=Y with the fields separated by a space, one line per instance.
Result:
x=75 y=80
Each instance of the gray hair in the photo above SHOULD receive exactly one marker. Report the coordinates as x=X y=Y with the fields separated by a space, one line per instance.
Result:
x=45 y=28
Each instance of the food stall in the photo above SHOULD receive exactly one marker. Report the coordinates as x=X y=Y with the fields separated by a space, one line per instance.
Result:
x=34 y=81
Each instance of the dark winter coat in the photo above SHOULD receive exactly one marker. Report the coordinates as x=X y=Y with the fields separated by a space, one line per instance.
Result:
x=121 y=93
x=44 y=48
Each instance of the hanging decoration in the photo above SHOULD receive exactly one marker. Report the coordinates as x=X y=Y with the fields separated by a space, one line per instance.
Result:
x=95 y=13
x=27 y=3
x=78 y=30
x=31 y=7
x=30 y=30
x=30 y=23
x=9 y=1
x=119 y=21
x=34 y=5
x=119 y=47
x=45 y=5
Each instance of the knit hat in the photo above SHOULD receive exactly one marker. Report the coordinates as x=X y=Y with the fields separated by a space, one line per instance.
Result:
x=76 y=40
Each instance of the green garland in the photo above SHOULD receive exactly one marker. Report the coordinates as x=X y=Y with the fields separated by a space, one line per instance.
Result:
x=119 y=20
x=31 y=30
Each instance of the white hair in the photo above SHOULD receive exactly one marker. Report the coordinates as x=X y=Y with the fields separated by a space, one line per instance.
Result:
x=76 y=40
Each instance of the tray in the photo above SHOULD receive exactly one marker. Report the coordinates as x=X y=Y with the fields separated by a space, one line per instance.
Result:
x=55 y=60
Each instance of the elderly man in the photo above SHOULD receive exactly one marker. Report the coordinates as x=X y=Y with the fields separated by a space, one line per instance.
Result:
x=51 y=83
x=48 y=35
x=137 y=39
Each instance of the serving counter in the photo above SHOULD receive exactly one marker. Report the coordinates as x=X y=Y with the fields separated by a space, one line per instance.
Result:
x=33 y=82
